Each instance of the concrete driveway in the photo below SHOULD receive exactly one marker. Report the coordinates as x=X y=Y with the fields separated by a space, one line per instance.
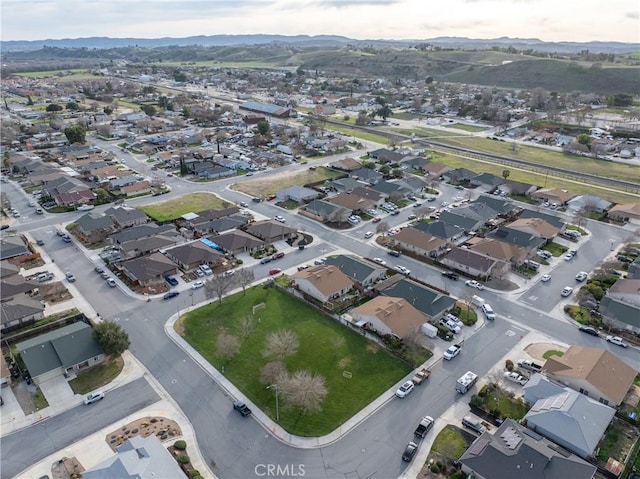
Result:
x=58 y=392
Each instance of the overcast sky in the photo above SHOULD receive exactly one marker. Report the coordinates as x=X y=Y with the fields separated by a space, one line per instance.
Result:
x=549 y=20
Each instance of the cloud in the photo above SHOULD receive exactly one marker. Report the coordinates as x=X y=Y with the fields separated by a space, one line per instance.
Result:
x=352 y=3
x=632 y=15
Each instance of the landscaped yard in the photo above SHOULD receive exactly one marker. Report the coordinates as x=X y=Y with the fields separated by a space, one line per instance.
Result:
x=193 y=202
x=449 y=443
x=97 y=376
x=493 y=399
x=555 y=249
x=618 y=441
x=552 y=352
x=259 y=187
x=356 y=371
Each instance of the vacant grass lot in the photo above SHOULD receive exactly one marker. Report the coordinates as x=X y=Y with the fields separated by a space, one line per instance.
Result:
x=326 y=347
x=193 y=202
x=465 y=127
x=262 y=187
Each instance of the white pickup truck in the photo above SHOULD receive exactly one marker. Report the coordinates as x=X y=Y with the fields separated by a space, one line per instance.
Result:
x=453 y=351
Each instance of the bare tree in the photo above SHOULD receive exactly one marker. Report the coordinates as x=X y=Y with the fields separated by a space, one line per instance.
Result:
x=244 y=277
x=305 y=390
x=281 y=344
x=217 y=287
x=246 y=326
x=274 y=372
x=339 y=215
x=227 y=346
x=382 y=227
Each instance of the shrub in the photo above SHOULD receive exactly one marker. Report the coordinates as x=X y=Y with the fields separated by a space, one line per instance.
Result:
x=134 y=431
x=194 y=473
x=152 y=420
x=476 y=400
x=484 y=390
x=183 y=459
x=180 y=445
x=435 y=469
x=496 y=413
x=509 y=365
x=458 y=475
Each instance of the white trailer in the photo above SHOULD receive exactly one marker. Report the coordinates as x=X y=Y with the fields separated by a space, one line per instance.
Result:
x=466 y=382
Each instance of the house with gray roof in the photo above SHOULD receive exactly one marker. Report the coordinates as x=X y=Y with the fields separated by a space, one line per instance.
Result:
x=270 y=231
x=219 y=225
x=503 y=208
x=321 y=210
x=385 y=155
x=440 y=229
x=117 y=183
x=514 y=451
x=93 y=227
x=412 y=183
x=367 y=175
x=148 y=245
x=138 y=458
x=12 y=247
x=18 y=311
x=486 y=179
x=389 y=188
x=459 y=175
x=265 y=108
x=434 y=304
x=470 y=262
x=148 y=270
x=362 y=272
x=588 y=203
x=620 y=313
x=518 y=188
x=568 y=418
x=344 y=185
x=460 y=220
x=297 y=193
x=191 y=255
x=522 y=239
x=124 y=217
x=551 y=219
x=62 y=351
x=368 y=194
x=237 y=242
x=414 y=162
x=141 y=232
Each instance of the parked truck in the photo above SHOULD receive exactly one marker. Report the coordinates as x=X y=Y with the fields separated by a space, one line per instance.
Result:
x=242 y=408
x=453 y=351
x=420 y=376
x=529 y=365
x=466 y=382
x=424 y=426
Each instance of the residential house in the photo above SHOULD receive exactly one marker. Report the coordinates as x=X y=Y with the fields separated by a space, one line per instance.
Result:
x=503 y=208
x=367 y=175
x=147 y=245
x=124 y=217
x=140 y=232
x=513 y=451
x=212 y=171
x=297 y=193
x=471 y=263
x=345 y=185
x=385 y=155
x=589 y=204
x=487 y=180
x=625 y=213
x=390 y=189
x=518 y=188
x=352 y=203
x=324 y=283
x=122 y=181
x=18 y=311
x=412 y=183
x=620 y=314
x=364 y=273
x=93 y=227
x=67 y=191
x=522 y=239
x=388 y=315
x=553 y=195
x=440 y=229
x=368 y=194
x=59 y=352
x=553 y=220
x=414 y=163
x=270 y=231
x=148 y=270
x=459 y=176
x=594 y=372
x=140 y=458
x=346 y=164
x=566 y=417
x=323 y=211
x=136 y=189
x=472 y=217
x=500 y=250
x=434 y=304
x=419 y=243
x=434 y=170
x=237 y=242
x=191 y=255
x=219 y=225
x=13 y=247
x=265 y=109
x=535 y=226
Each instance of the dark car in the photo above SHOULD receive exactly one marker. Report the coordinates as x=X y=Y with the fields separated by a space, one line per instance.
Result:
x=98 y=269
x=40 y=242
x=409 y=451
x=171 y=294
x=624 y=259
x=450 y=275
x=395 y=212
x=393 y=252
x=589 y=330
x=256 y=200
x=4 y=227
x=278 y=256
x=242 y=408
x=266 y=260
x=431 y=199
x=66 y=239
x=171 y=280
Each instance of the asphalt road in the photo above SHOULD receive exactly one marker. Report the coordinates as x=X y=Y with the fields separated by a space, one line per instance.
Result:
x=24 y=448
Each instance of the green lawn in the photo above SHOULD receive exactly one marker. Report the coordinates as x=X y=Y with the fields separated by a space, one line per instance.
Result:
x=503 y=402
x=326 y=347
x=552 y=352
x=465 y=127
x=449 y=443
x=363 y=135
x=193 y=202
x=39 y=401
x=97 y=376
x=555 y=249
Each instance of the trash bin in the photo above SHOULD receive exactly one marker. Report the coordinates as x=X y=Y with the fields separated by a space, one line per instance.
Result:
x=301 y=247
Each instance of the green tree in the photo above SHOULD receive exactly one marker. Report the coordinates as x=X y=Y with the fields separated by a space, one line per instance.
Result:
x=75 y=133
x=107 y=110
x=53 y=107
x=620 y=99
x=584 y=139
x=72 y=105
x=505 y=174
x=112 y=338
x=384 y=112
x=150 y=110
x=263 y=127
x=384 y=169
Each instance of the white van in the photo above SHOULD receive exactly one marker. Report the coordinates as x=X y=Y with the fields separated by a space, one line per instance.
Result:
x=477 y=300
x=488 y=311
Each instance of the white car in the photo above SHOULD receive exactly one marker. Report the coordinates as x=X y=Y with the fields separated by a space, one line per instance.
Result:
x=566 y=291
x=403 y=270
x=228 y=273
x=197 y=284
x=380 y=261
x=85 y=207
x=94 y=397
x=581 y=276
x=568 y=256
x=368 y=234
x=405 y=389
x=279 y=219
x=474 y=284
x=545 y=278
x=617 y=340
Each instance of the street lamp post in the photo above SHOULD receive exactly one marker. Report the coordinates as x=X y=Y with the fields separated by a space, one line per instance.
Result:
x=275 y=386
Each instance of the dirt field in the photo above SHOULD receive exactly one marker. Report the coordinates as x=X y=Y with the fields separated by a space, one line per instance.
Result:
x=537 y=350
x=258 y=187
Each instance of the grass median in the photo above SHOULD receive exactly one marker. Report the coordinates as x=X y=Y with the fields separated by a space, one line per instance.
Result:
x=356 y=370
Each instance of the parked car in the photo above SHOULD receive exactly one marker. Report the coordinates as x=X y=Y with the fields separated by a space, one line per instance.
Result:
x=617 y=340
x=589 y=330
x=569 y=256
x=402 y=270
x=271 y=197
x=275 y=271
x=244 y=204
x=197 y=284
x=474 y=284
x=409 y=452
x=581 y=276
x=545 y=277
x=405 y=389
x=70 y=277
x=66 y=238
x=104 y=275
x=94 y=397
x=242 y=408
x=624 y=259
x=377 y=219
x=98 y=269
x=368 y=234
x=279 y=219
x=380 y=261
x=85 y=207
x=450 y=275
x=171 y=280
x=111 y=282
x=171 y=294
x=278 y=255
x=266 y=260
x=205 y=269
x=393 y=252
x=566 y=291
x=40 y=242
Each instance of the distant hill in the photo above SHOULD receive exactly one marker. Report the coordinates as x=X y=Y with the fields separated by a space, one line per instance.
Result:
x=322 y=40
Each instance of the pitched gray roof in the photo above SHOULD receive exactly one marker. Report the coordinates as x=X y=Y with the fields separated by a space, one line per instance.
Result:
x=94 y=222
x=620 y=311
x=12 y=246
x=18 y=307
x=355 y=268
x=516 y=237
x=429 y=301
x=64 y=347
x=142 y=231
x=440 y=229
x=465 y=222
x=551 y=219
x=125 y=215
